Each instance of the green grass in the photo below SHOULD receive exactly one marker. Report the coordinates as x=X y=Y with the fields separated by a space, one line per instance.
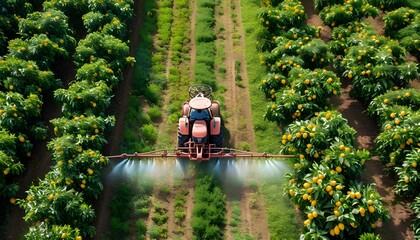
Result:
x=265 y=131
x=282 y=218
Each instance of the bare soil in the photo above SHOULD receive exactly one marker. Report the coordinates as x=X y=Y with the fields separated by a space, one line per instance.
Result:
x=238 y=118
x=238 y=112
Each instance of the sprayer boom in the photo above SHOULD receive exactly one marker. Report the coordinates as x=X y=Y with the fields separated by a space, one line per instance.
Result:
x=199 y=153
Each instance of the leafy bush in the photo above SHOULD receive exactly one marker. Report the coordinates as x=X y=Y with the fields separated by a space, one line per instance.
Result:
x=398 y=19
x=155 y=112
x=324 y=181
x=149 y=133
x=388 y=5
x=141 y=229
x=349 y=11
x=415 y=205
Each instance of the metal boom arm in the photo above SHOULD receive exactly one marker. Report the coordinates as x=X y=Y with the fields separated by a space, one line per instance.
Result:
x=211 y=153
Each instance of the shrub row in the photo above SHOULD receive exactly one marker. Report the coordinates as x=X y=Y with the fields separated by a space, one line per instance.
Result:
x=60 y=203
x=380 y=74
x=26 y=79
x=398 y=142
x=296 y=82
x=325 y=183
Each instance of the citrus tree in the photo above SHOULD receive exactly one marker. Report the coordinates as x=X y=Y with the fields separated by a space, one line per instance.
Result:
x=415 y=205
x=46 y=37
x=376 y=65
x=84 y=97
x=102 y=46
x=277 y=19
x=25 y=77
x=324 y=181
x=348 y=11
x=307 y=92
x=105 y=23
x=53 y=232
x=398 y=19
x=122 y=9
x=11 y=12
x=73 y=9
x=20 y=115
x=98 y=71
x=9 y=166
x=388 y=5
x=52 y=203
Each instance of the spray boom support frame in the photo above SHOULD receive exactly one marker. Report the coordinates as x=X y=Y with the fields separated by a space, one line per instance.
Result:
x=195 y=152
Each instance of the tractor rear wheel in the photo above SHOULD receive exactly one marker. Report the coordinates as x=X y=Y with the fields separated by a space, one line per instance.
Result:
x=217 y=140
x=182 y=139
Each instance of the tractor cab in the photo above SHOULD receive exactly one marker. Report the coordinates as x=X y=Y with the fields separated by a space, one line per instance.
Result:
x=200 y=124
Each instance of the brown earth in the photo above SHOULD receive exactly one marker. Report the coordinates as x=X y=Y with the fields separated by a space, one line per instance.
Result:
x=237 y=117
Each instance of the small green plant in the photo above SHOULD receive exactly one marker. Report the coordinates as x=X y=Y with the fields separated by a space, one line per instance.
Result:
x=369 y=236
x=155 y=113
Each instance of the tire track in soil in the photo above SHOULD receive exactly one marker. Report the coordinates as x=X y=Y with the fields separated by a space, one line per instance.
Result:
x=238 y=119
x=192 y=42
x=367 y=130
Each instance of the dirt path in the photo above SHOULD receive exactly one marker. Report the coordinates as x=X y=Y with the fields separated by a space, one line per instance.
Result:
x=193 y=50
x=238 y=118
x=237 y=99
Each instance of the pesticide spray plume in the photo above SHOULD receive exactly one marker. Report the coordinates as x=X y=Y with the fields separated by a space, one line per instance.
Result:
x=226 y=169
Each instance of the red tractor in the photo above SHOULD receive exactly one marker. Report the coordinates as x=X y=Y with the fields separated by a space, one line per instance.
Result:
x=200 y=135
x=200 y=127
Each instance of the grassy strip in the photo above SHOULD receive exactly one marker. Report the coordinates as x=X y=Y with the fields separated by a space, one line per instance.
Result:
x=265 y=131
x=282 y=218
x=205 y=44
x=281 y=215
x=178 y=75
x=146 y=136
